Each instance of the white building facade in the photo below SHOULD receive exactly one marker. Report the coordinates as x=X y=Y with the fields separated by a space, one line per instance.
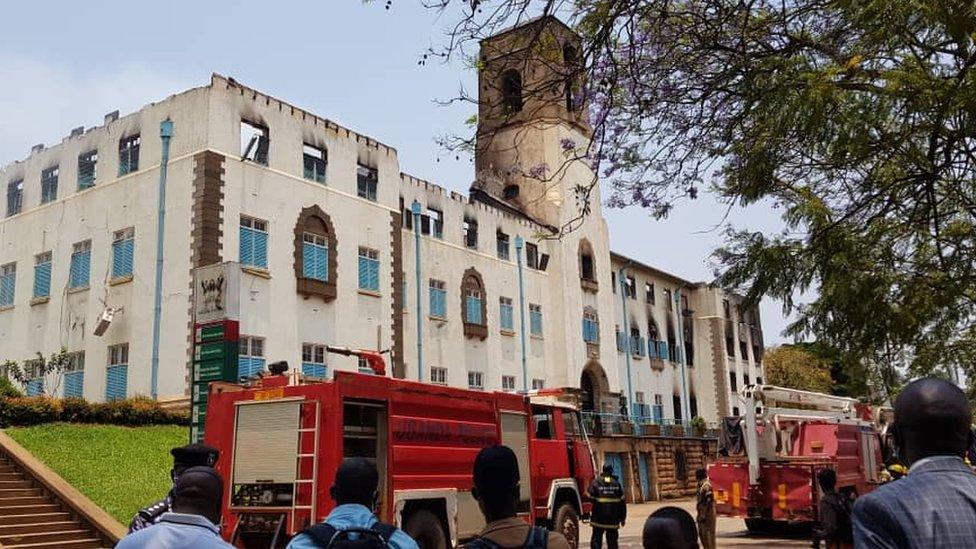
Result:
x=319 y=219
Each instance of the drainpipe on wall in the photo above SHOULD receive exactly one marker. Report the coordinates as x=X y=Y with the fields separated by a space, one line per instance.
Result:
x=415 y=210
x=165 y=133
x=621 y=275
x=519 y=244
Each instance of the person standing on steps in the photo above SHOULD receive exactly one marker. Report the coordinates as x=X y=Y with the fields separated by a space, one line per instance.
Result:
x=352 y=524
x=705 y=505
x=496 y=488
x=184 y=457
x=609 y=508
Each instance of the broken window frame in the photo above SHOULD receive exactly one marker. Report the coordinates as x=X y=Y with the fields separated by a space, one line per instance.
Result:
x=502 y=245
x=49 y=184
x=255 y=142
x=15 y=197
x=469 y=227
x=315 y=161
x=87 y=169
x=367 y=182
x=531 y=256
x=129 y=154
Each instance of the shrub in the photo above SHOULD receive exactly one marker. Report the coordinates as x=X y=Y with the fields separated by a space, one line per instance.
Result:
x=133 y=412
x=29 y=410
x=8 y=389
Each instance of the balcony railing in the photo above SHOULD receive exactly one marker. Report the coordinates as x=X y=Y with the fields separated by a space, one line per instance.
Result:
x=602 y=424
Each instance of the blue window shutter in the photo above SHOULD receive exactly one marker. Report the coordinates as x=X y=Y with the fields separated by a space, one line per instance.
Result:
x=658 y=413
x=506 y=317
x=535 y=323
x=374 y=275
x=243 y=367
x=74 y=384
x=662 y=349
x=122 y=258
x=247 y=246
x=474 y=310
x=621 y=341
x=363 y=273
x=42 y=280
x=322 y=262
x=80 y=265
x=257 y=366
x=308 y=260
x=7 y=289
x=116 y=382
x=642 y=346
x=315 y=370
x=261 y=249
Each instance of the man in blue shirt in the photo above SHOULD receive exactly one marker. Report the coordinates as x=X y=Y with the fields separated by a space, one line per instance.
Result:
x=355 y=493
x=192 y=522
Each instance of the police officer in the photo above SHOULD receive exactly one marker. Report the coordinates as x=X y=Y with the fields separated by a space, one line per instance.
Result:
x=609 y=508
x=184 y=457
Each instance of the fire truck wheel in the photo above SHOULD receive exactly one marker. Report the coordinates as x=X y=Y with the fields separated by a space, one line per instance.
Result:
x=567 y=524
x=759 y=526
x=426 y=529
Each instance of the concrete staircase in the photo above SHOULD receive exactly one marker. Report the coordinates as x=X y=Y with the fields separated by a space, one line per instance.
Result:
x=31 y=517
x=39 y=510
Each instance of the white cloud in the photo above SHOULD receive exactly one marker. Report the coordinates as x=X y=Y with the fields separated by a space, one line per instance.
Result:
x=40 y=101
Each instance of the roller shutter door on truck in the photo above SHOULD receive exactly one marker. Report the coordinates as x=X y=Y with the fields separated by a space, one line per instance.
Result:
x=266 y=445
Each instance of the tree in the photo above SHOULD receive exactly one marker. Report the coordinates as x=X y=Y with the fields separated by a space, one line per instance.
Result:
x=49 y=370
x=796 y=368
x=855 y=118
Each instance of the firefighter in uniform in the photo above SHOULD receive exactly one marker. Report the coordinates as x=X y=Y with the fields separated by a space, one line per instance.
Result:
x=609 y=508
x=705 y=507
x=184 y=457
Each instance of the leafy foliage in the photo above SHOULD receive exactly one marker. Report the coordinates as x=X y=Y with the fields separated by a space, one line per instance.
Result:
x=795 y=368
x=20 y=410
x=855 y=118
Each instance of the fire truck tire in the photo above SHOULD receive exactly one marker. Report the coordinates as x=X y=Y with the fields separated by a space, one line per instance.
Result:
x=759 y=526
x=426 y=529
x=566 y=522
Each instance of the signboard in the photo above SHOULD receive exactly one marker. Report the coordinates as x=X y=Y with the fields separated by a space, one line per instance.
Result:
x=217 y=292
x=216 y=311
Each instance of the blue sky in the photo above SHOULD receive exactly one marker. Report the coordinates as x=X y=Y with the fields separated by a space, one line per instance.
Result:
x=351 y=62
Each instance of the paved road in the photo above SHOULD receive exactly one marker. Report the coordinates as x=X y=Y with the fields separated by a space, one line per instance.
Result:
x=731 y=532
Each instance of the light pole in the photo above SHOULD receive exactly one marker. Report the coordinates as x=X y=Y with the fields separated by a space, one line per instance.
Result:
x=519 y=244
x=415 y=210
x=165 y=133
x=685 y=404
x=625 y=327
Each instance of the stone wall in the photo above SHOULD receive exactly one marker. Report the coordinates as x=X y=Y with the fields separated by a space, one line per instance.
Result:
x=660 y=470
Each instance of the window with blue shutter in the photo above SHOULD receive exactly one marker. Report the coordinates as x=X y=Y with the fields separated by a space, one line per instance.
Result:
x=369 y=269
x=313 y=360
x=123 y=250
x=438 y=299
x=621 y=340
x=117 y=372
x=42 y=275
x=505 y=313
x=662 y=349
x=315 y=257
x=8 y=281
x=74 y=375
x=35 y=387
x=591 y=329
x=80 y=265
x=473 y=306
x=250 y=360
x=254 y=242
x=535 y=319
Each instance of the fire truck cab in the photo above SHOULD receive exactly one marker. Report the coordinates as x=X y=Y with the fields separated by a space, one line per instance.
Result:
x=281 y=438
x=787 y=436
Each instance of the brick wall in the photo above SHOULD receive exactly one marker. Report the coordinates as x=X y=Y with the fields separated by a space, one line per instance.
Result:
x=660 y=470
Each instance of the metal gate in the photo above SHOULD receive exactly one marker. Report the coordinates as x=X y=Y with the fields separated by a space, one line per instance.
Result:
x=645 y=475
x=617 y=462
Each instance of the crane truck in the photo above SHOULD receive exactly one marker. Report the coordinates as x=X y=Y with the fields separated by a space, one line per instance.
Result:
x=787 y=436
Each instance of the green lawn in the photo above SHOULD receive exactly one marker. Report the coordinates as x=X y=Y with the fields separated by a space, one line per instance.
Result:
x=119 y=468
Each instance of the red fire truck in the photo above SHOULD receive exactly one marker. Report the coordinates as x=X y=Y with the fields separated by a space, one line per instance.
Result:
x=788 y=436
x=281 y=438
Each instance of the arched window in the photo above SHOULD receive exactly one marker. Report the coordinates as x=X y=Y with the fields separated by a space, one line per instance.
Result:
x=512 y=91
x=571 y=66
x=474 y=309
x=315 y=254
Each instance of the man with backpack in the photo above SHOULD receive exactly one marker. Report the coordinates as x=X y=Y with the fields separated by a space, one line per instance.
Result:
x=352 y=524
x=835 y=528
x=496 y=487
x=609 y=508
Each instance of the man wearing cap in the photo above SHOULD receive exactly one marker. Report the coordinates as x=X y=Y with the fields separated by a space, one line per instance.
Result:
x=192 y=522
x=184 y=457
x=609 y=508
x=496 y=487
